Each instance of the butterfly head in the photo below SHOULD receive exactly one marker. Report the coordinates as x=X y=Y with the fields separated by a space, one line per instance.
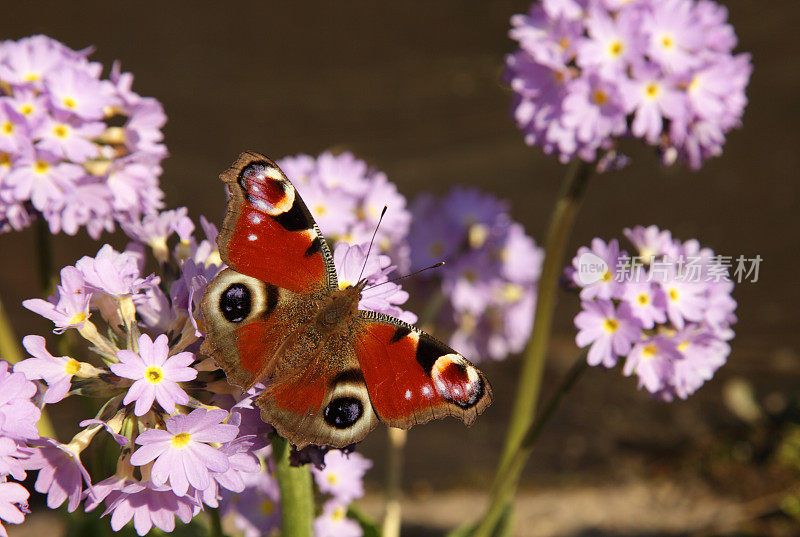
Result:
x=341 y=306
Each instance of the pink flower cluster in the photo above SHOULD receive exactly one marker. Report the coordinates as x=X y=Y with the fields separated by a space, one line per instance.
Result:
x=187 y=440
x=589 y=72
x=667 y=311
x=75 y=149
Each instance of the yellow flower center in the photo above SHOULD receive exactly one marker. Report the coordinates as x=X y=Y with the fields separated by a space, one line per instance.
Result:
x=69 y=102
x=651 y=90
x=683 y=346
x=41 y=167
x=607 y=276
x=154 y=374
x=667 y=42
x=649 y=351
x=512 y=292
x=643 y=299
x=559 y=76
x=344 y=285
x=333 y=478
x=611 y=325
x=694 y=84
x=72 y=366
x=26 y=109
x=320 y=210
x=599 y=97
x=616 y=48
x=339 y=513
x=31 y=77
x=78 y=318
x=673 y=294
x=564 y=42
x=61 y=131
x=5 y=159
x=181 y=440
x=7 y=128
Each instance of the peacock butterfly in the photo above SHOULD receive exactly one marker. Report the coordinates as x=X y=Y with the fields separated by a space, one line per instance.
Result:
x=277 y=315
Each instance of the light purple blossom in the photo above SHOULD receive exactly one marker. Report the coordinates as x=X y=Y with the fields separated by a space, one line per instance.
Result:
x=57 y=372
x=333 y=522
x=256 y=510
x=148 y=505
x=70 y=308
x=114 y=273
x=155 y=374
x=61 y=473
x=588 y=73
x=13 y=504
x=181 y=452
x=69 y=160
x=18 y=414
x=342 y=475
x=610 y=331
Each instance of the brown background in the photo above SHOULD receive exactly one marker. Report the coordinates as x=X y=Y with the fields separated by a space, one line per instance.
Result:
x=414 y=89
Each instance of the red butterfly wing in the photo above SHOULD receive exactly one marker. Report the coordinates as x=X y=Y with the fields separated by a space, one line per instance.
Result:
x=268 y=232
x=413 y=378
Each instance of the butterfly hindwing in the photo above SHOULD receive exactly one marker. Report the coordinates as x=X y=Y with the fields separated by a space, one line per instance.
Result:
x=413 y=378
x=268 y=232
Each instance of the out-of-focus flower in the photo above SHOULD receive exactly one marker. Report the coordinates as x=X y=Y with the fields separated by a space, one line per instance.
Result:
x=590 y=72
x=81 y=151
x=488 y=282
x=333 y=521
x=669 y=315
x=342 y=475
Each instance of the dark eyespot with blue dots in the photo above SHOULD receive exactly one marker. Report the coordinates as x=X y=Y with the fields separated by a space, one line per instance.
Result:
x=343 y=412
x=235 y=303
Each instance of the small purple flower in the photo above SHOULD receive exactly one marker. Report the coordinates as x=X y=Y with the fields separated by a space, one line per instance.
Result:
x=61 y=473
x=113 y=273
x=148 y=505
x=57 y=372
x=650 y=241
x=647 y=303
x=610 y=331
x=13 y=504
x=333 y=521
x=11 y=456
x=343 y=475
x=606 y=285
x=155 y=374
x=685 y=300
x=77 y=92
x=653 y=361
x=70 y=309
x=181 y=452
x=256 y=510
x=18 y=414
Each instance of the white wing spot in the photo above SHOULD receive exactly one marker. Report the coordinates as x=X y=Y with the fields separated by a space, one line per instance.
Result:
x=426 y=391
x=254 y=218
x=408 y=394
x=251 y=237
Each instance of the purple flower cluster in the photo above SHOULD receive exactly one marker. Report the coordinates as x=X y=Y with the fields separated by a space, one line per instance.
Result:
x=75 y=149
x=588 y=72
x=187 y=439
x=19 y=416
x=667 y=310
x=347 y=197
x=342 y=478
x=488 y=283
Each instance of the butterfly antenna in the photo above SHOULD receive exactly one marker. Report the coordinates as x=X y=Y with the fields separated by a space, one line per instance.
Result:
x=383 y=212
x=437 y=265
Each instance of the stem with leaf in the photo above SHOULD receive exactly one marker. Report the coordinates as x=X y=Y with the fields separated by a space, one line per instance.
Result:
x=559 y=230
x=297 y=495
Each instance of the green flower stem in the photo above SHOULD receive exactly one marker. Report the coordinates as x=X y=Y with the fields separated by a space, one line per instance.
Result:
x=560 y=228
x=9 y=350
x=392 y=518
x=214 y=522
x=297 y=497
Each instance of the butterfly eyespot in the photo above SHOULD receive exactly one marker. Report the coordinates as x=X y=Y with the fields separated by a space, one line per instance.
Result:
x=343 y=412
x=235 y=303
x=457 y=381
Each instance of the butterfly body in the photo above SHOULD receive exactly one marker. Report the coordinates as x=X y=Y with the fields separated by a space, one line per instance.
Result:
x=278 y=316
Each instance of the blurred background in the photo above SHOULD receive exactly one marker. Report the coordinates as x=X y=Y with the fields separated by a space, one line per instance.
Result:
x=414 y=88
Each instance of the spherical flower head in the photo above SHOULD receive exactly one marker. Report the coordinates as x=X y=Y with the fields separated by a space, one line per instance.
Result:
x=608 y=329
x=155 y=374
x=333 y=522
x=82 y=151
x=589 y=73
x=182 y=453
x=148 y=505
x=343 y=475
